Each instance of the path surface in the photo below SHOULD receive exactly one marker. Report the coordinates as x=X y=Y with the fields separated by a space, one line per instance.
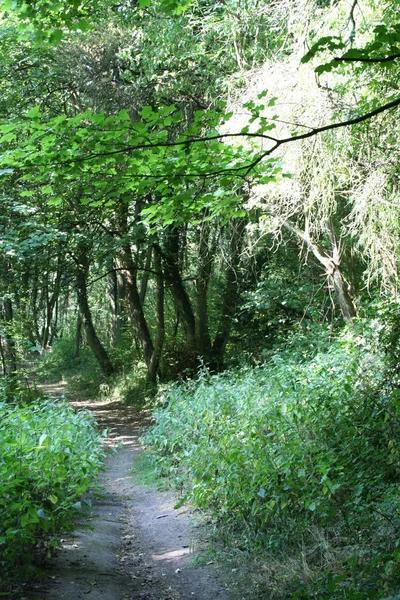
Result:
x=139 y=546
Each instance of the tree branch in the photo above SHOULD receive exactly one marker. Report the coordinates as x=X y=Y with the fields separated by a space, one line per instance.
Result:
x=92 y=281
x=243 y=170
x=367 y=59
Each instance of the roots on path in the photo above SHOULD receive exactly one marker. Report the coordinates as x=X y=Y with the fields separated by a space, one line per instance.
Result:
x=138 y=546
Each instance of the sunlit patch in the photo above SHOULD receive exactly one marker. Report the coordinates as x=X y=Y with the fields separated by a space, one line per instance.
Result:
x=171 y=555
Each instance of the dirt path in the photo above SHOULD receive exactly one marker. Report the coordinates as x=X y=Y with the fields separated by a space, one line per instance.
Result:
x=139 y=546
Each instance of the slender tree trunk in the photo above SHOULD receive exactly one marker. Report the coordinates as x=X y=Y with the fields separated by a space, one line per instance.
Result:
x=3 y=357
x=34 y=305
x=206 y=252
x=146 y=273
x=117 y=294
x=174 y=281
x=160 y=335
x=230 y=295
x=11 y=353
x=92 y=339
x=51 y=301
x=113 y=297
x=129 y=272
x=339 y=285
x=135 y=306
x=78 y=335
x=54 y=324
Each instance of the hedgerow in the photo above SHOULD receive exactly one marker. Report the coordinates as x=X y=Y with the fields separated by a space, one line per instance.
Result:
x=295 y=446
x=49 y=456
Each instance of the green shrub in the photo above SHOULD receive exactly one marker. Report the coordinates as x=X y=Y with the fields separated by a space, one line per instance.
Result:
x=292 y=446
x=49 y=456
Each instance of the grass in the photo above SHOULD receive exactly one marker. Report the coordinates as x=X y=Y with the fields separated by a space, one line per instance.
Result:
x=145 y=473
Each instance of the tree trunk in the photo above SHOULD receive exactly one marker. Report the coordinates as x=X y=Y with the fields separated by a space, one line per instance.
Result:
x=337 y=280
x=113 y=297
x=174 y=281
x=206 y=252
x=159 y=342
x=94 y=342
x=34 y=305
x=146 y=273
x=50 y=305
x=78 y=335
x=3 y=357
x=9 y=337
x=135 y=306
x=342 y=294
x=129 y=272
x=230 y=294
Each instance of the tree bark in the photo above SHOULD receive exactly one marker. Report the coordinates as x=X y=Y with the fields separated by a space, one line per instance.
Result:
x=174 y=281
x=160 y=319
x=3 y=357
x=146 y=273
x=206 y=253
x=94 y=342
x=230 y=295
x=78 y=335
x=51 y=301
x=11 y=353
x=129 y=272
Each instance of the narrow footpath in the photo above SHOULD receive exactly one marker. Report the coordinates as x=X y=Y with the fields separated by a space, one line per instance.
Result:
x=138 y=546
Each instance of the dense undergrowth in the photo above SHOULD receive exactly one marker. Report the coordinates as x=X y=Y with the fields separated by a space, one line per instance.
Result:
x=298 y=459
x=49 y=456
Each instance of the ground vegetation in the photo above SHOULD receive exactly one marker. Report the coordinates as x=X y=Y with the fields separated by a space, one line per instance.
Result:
x=203 y=197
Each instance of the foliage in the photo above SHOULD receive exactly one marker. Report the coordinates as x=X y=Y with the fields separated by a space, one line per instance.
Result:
x=295 y=446
x=81 y=373
x=139 y=179
x=49 y=457
x=131 y=386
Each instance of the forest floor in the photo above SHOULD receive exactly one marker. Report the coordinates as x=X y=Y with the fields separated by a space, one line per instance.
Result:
x=138 y=546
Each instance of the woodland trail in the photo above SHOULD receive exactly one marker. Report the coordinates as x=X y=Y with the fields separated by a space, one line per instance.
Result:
x=138 y=546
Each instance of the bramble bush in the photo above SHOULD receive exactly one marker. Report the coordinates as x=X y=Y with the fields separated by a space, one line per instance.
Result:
x=49 y=456
x=293 y=446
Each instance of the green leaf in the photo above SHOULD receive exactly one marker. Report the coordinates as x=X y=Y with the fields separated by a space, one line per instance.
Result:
x=34 y=113
x=181 y=502
x=56 y=36
x=42 y=438
x=146 y=112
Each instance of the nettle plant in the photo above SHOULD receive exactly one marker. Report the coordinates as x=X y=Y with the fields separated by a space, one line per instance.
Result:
x=49 y=456
x=293 y=447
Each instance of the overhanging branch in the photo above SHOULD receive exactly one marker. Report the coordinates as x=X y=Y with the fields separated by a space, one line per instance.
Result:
x=367 y=59
x=242 y=170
